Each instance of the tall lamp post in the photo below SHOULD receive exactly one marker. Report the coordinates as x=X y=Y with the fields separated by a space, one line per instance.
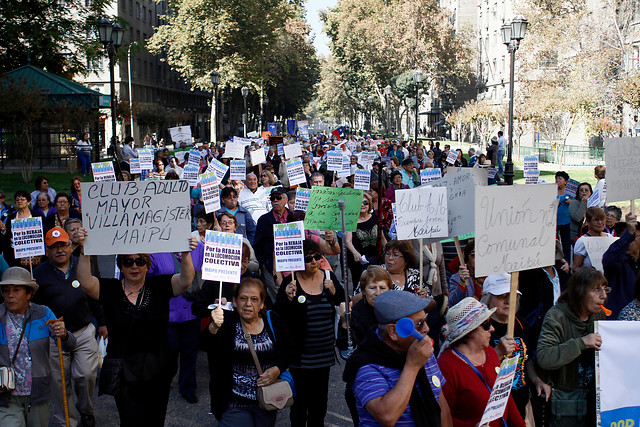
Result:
x=364 y=114
x=417 y=79
x=215 y=81
x=387 y=94
x=111 y=34
x=370 y=111
x=245 y=93
x=512 y=33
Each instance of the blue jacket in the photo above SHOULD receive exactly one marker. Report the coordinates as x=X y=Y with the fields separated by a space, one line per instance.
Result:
x=621 y=271
x=246 y=224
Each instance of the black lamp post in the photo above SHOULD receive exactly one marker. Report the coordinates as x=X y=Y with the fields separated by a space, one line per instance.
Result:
x=245 y=93
x=417 y=79
x=111 y=35
x=215 y=81
x=370 y=111
x=387 y=94
x=512 y=33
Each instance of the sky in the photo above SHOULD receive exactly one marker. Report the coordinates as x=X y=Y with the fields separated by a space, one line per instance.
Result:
x=321 y=41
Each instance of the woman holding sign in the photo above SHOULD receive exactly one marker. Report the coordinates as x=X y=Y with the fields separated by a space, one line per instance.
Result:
x=136 y=309
x=363 y=243
x=595 y=228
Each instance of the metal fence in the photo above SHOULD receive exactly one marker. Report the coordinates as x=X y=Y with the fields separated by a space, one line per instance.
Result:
x=573 y=156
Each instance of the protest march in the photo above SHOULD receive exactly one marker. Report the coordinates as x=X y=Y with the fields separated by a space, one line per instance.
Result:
x=441 y=295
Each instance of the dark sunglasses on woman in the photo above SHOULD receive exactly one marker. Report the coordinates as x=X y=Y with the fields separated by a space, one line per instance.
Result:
x=310 y=258
x=128 y=262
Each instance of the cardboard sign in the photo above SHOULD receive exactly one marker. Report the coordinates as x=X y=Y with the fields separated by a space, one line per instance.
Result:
x=571 y=188
x=422 y=213
x=334 y=161
x=429 y=174
x=362 y=179
x=181 y=135
x=287 y=240
x=531 y=176
x=295 y=171
x=210 y=192
x=452 y=157
x=500 y=392
x=238 y=170
x=302 y=199
x=530 y=163
x=27 y=237
x=596 y=246
x=146 y=159
x=136 y=217
x=222 y=256
x=622 y=157
x=103 y=172
x=323 y=212
x=190 y=174
x=292 y=150
x=461 y=189
x=234 y=150
x=258 y=157
x=515 y=228
x=134 y=166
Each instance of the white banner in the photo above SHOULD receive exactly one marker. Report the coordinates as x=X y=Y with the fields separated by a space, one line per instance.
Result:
x=210 y=192
x=515 y=228
x=421 y=213
x=222 y=257
x=136 y=217
x=27 y=237
x=258 y=157
x=292 y=150
x=287 y=239
x=596 y=247
x=295 y=171
x=500 y=392
x=103 y=172
x=622 y=157
x=362 y=179
x=238 y=170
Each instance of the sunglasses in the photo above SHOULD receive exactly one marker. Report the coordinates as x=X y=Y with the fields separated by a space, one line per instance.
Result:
x=276 y=197
x=365 y=203
x=128 y=262
x=310 y=258
x=486 y=325
x=421 y=322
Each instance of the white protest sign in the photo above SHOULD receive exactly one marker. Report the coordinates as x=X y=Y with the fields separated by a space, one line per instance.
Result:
x=596 y=246
x=146 y=159
x=302 y=199
x=238 y=170
x=422 y=213
x=287 y=240
x=295 y=171
x=292 y=150
x=210 y=192
x=244 y=141
x=258 y=157
x=103 y=172
x=190 y=174
x=134 y=166
x=515 y=228
x=366 y=160
x=461 y=187
x=194 y=158
x=345 y=171
x=622 y=157
x=500 y=392
x=280 y=148
x=617 y=374
x=217 y=167
x=452 y=157
x=362 y=179
x=531 y=176
x=234 y=150
x=491 y=173
x=27 y=237
x=571 y=188
x=334 y=161
x=429 y=174
x=594 y=199
x=136 y=217
x=222 y=257
x=181 y=135
x=530 y=163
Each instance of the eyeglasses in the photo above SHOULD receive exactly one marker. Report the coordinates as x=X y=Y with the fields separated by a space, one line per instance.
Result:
x=309 y=258
x=264 y=176
x=365 y=203
x=600 y=290
x=59 y=245
x=486 y=325
x=128 y=262
x=421 y=323
x=393 y=255
x=20 y=199
x=277 y=198
x=225 y=223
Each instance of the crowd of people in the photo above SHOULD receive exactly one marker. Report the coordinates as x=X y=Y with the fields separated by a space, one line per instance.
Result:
x=157 y=312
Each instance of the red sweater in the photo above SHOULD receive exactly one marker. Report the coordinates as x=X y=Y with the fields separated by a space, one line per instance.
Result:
x=467 y=395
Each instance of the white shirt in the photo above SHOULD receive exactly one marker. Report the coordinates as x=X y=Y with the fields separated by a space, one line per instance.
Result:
x=256 y=203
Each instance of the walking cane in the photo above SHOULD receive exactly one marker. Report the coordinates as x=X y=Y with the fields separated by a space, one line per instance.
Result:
x=64 y=385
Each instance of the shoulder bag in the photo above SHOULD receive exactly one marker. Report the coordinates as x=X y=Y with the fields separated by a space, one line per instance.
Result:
x=7 y=373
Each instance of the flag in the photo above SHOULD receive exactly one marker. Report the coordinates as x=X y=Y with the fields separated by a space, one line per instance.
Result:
x=336 y=133
x=291 y=126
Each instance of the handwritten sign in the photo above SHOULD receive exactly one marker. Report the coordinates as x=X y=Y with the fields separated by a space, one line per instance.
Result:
x=422 y=213
x=531 y=176
x=210 y=192
x=334 y=161
x=499 y=397
x=136 y=217
x=134 y=166
x=287 y=239
x=362 y=179
x=461 y=189
x=292 y=150
x=571 y=188
x=238 y=170
x=146 y=159
x=515 y=228
x=103 y=171
x=217 y=167
x=258 y=157
x=27 y=237
x=190 y=174
x=429 y=174
x=622 y=156
x=530 y=163
x=181 y=135
x=323 y=212
x=295 y=171
x=302 y=199
x=596 y=246
x=222 y=256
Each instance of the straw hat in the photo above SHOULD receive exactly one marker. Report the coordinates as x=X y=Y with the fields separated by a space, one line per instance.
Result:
x=18 y=276
x=464 y=317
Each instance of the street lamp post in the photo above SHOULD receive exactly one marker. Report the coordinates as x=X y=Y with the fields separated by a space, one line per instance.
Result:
x=387 y=94
x=417 y=79
x=266 y=116
x=245 y=93
x=370 y=110
x=215 y=81
x=111 y=34
x=512 y=33
x=364 y=114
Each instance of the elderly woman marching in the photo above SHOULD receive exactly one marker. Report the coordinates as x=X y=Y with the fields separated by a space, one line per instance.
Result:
x=24 y=346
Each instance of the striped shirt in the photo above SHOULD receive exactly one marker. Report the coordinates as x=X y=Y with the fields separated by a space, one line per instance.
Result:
x=317 y=347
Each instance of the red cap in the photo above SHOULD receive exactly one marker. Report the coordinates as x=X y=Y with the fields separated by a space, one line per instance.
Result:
x=55 y=235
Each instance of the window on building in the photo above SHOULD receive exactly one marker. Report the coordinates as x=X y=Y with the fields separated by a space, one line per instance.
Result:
x=144 y=36
x=635 y=59
x=130 y=7
x=131 y=35
x=144 y=14
x=123 y=5
x=150 y=17
x=138 y=10
x=137 y=35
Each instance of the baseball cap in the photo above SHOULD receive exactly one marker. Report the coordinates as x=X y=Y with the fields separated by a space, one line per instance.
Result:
x=497 y=284
x=278 y=191
x=392 y=306
x=55 y=235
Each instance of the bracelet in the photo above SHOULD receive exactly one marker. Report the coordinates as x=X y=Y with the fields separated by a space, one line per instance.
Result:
x=333 y=242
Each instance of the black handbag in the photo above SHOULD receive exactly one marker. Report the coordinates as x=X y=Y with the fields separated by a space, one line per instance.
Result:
x=110 y=377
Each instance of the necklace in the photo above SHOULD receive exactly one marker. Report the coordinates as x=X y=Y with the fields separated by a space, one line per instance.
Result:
x=128 y=291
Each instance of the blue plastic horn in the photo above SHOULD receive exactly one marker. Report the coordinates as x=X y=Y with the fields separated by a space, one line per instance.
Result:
x=406 y=328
